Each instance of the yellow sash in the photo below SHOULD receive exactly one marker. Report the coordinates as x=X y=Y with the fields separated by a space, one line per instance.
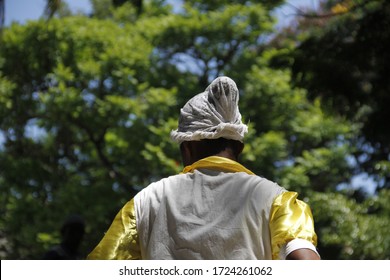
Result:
x=217 y=163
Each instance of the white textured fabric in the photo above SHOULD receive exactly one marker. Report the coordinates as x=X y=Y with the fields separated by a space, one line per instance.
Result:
x=295 y=244
x=206 y=215
x=212 y=114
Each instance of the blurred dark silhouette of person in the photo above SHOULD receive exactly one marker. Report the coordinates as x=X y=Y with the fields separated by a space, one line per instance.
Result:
x=72 y=233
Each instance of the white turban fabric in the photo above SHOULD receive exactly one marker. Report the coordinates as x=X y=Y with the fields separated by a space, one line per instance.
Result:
x=212 y=114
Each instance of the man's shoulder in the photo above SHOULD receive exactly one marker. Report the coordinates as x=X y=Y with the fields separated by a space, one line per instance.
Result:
x=167 y=180
x=156 y=185
x=257 y=179
x=259 y=186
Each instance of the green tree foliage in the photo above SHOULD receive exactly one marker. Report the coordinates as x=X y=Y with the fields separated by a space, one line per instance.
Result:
x=76 y=112
x=294 y=141
x=87 y=105
x=345 y=63
x=2 y=13
x=351 y=230
x=341 y=60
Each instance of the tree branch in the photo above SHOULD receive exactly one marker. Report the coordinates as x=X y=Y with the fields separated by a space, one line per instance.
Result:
x=99 y=145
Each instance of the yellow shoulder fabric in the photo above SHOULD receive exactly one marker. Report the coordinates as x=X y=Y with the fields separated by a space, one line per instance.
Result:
x=121 y=240
x=290 y=218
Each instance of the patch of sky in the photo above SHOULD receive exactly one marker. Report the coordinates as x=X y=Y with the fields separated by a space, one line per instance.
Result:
x=34 y=131
x=362 y=181
x=130 y=121
x=88 y=97
x=2 y=140
x=287 y=13
x=115 y=186
x=187 y=63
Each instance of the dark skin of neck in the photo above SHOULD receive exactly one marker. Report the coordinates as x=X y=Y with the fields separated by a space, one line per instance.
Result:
x=190 y=153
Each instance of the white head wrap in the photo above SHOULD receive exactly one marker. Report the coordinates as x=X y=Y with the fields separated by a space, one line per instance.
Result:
x=212 y=114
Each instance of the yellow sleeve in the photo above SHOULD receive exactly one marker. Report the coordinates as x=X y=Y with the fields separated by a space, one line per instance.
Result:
x=290 y=218
x=121 y=240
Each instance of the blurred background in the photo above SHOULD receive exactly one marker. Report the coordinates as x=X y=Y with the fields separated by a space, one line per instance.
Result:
x=90 y=90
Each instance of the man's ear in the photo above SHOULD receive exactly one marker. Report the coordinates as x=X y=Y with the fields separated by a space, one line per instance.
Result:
x=186 y=153
x=239 y=147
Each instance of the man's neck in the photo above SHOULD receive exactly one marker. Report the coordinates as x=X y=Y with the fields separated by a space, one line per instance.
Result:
x=226 y=154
